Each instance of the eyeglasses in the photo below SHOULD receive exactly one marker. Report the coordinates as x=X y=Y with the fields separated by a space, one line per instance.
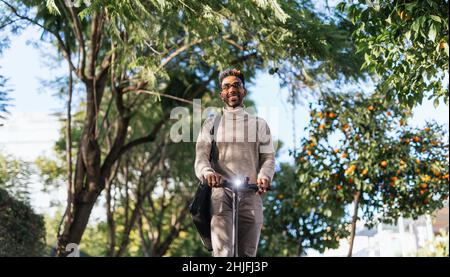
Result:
x=226 y=87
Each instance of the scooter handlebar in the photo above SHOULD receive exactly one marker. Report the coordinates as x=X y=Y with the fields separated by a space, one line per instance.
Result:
x=254 y=187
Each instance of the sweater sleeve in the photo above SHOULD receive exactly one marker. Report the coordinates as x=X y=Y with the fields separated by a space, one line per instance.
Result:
x=202 y=165
x=266 y=152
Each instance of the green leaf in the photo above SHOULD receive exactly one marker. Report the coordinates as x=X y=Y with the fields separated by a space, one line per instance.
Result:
x=436 y=18
x=415 y=25
x=436 y=102
x=432 y=33
x=410 y=6
x=53 y=9
x=341 y=6
x=408 y=35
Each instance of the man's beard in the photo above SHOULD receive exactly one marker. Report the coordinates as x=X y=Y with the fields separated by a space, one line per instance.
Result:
x=233 y=100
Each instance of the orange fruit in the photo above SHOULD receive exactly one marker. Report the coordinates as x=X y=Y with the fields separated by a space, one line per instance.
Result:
x=365 y=171
x=309 y=152
x=344 y=155
x=332 y=115
x=350 y=170
x=427 y=129
x=426 y=178
x=311 y=144
x=416 y=139
x=384 y=163
x=423 y=186
x=371 y=108
x=407 y=140
x=339 y=187
x=321 y=126
x=336 y=150
x=422 y=191
x=436 y=173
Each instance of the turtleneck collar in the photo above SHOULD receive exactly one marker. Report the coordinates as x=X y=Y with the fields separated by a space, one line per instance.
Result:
x=239 y=110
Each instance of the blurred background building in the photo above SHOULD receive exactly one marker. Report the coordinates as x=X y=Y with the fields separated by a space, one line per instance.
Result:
x=407 y=238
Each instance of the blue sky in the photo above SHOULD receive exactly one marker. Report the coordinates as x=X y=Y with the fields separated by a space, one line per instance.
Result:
x=31 y=129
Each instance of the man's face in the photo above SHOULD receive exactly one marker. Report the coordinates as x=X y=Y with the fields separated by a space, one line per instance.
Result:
x=232 y=91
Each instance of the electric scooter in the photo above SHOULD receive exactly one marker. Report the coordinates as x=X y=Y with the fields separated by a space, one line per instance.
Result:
x=236 y=187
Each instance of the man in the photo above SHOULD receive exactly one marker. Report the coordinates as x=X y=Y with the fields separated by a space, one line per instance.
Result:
x=245 y=149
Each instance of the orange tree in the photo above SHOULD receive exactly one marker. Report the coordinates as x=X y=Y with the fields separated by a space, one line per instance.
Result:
x=405 y=43
x=295 y=222
x=360 y=150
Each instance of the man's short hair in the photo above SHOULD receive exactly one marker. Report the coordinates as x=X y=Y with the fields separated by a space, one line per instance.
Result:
x=231 y=72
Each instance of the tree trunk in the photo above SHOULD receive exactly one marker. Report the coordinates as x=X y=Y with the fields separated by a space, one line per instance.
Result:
x=356 y=198
x=81 y=217
x=110 y=220
x=299 y=243
x=300 y=249
x=88 y=183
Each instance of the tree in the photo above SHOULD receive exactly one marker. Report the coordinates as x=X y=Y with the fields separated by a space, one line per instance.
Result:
x=296 y=222
x=15 y=176
x=382 y=166
x=22 y=231
x=405 y=43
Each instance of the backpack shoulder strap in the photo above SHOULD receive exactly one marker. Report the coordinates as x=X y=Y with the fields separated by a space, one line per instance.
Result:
x=215 y=127
x=213 y=132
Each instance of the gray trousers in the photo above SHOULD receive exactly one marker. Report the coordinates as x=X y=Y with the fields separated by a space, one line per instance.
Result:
x=250 y=222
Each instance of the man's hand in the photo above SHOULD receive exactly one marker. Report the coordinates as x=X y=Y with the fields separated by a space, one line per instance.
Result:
x=263 y=185
x=214 y=179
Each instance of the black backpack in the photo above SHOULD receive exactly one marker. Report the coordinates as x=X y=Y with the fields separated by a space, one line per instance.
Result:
x=200 y=207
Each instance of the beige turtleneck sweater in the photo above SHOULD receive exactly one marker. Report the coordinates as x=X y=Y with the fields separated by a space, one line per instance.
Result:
x=241 y=152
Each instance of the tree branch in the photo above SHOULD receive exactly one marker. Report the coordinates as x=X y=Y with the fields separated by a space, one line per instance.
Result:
x=148 y=138
x=180 y=50
x=79 y=35
x=165 y=95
